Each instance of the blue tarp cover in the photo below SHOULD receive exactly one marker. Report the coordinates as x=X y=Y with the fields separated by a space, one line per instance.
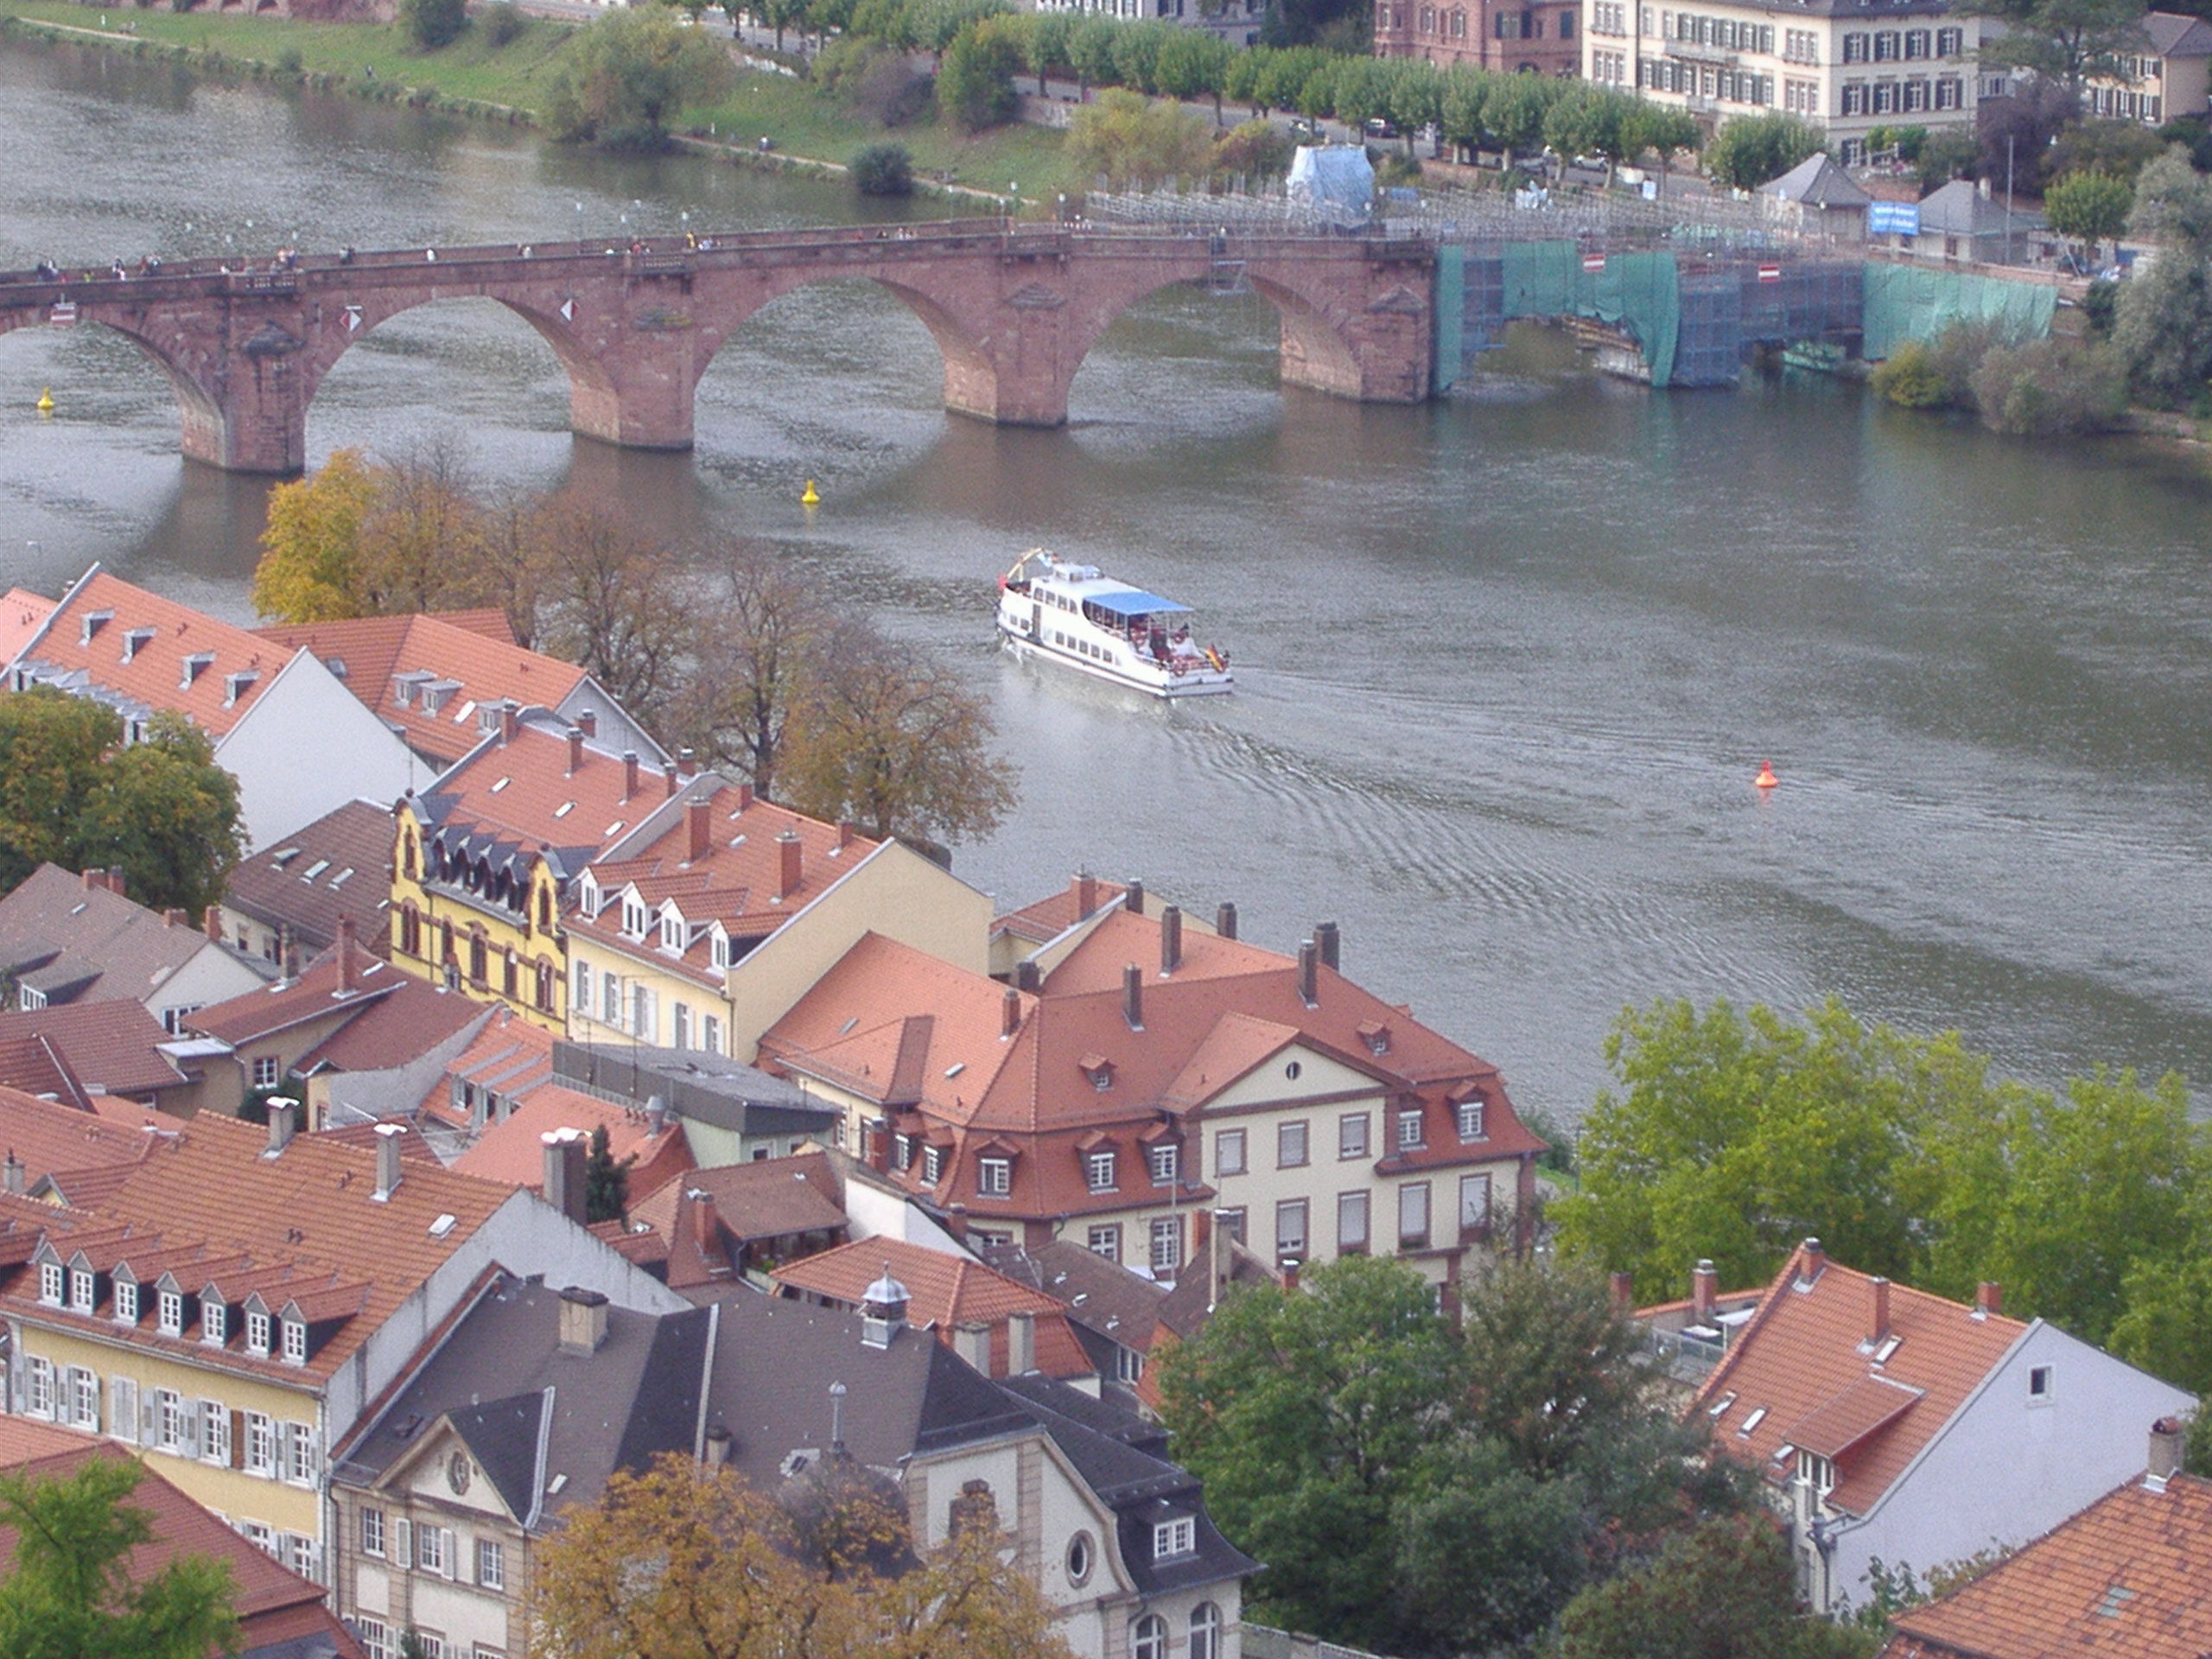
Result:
x=1133 y=603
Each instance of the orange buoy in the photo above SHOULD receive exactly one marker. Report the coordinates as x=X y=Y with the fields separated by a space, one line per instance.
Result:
x=1766 y=779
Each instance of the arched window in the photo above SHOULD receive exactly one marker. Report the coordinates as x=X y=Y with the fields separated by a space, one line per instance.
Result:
x=406 y=854
x=545 y=910
x=1149 y=1637
x=1206 y=1632
x=445 y=942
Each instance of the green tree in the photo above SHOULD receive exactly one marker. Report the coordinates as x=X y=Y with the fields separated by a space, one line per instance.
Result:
x=1090 y=52
x=1130 y=141
x=2067 y=42
x=1727 y=1588
x=975 y=85
x=167 y=814
x=72 y=1594
x=607 y=1183
x=2089 y=207
x=883 y=170
x=430 y=25
x=72 y=793
x=1193 y=64
x=628 y=73
x=2165 y=327
x=1948 y=154
x=2119 y=150
x=1750 y=149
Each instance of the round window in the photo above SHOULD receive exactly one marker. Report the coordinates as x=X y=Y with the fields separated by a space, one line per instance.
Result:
x=1292 y=1070
x=457 y=1472
x=1082 y=1555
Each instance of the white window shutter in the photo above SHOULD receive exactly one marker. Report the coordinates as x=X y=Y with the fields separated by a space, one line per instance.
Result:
x=149 y=1429
x=190 y=1412
x=123 y=1407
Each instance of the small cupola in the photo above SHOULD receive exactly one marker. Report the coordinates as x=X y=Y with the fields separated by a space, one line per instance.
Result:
x=883 y=1310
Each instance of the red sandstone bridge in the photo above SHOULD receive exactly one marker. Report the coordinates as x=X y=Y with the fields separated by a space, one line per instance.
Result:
x=1014 y=308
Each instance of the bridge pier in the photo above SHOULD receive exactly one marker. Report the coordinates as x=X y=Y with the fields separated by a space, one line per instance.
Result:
x=643 y=395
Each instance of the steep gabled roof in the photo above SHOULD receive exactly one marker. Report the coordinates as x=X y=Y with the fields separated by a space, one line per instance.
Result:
x=47 y=1137
x=321 y=992
x=21 y=612
x=74 y=931
x=77 y=1051
x=138 y=652
x=2128 y=1578
x=509 y=799
x=340 y=865
x=1808 y=1362
x=510 y=1057
x=1818 y=182
x=2176 y=35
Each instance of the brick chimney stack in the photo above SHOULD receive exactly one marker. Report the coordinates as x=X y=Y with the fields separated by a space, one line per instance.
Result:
x=211 y=919
x=344 y=949
x=1623 y=1289
x=669 y=780
x=1877 y=1314
x=1330 y=939
x=1224 y=920
x=744 y=797
x=699 y=826
x=1308 y=986
x=1705 y=1292
x=1009 y=1012
x=587 y=722
x=1085 y=887
x=629 y=773
x=575 y=750
x=1134 y=899
x=1132 y=996
x=1812 y=1259
x=790 y=865
x=1171 y=940
x=509 y=718
x=1988 y=1299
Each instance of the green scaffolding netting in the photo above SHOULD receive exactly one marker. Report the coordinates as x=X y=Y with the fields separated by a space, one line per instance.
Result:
x=1451 y=314
x=1911 y=302
x=1639 y=292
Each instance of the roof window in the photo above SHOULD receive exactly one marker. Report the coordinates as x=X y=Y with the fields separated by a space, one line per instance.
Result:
x=195 y=663
x=136 y=640
x=94 y=621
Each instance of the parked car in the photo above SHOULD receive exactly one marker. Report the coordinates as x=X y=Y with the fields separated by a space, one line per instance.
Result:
x=1378 y=128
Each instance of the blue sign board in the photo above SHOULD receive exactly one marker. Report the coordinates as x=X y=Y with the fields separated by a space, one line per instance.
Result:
x=1893 y=218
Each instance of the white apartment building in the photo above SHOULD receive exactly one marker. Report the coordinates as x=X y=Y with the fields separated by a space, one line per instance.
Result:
x=1847 y=65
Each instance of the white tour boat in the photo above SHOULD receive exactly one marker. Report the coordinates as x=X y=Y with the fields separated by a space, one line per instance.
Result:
x=1071 y=613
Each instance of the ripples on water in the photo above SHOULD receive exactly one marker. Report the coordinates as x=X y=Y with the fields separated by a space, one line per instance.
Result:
x=1507 y=664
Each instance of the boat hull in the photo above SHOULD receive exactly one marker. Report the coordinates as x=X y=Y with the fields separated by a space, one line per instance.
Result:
x=1156 y=683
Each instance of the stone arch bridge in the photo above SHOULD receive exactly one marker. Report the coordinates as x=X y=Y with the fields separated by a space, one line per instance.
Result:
x=1013 y=309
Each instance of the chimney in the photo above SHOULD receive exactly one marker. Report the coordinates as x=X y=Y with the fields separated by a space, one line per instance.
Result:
x=1815 y=1259
x=1132 y=996
x=1988 y=1299
x=283 y=1123
x=564 y=1172
x=1029 y=976
x=629 y=773
x=668 y=781
x=1623 y=1294
x=706 y=1224
x=717 y=1446
x=1328 y=936
x=11 y=1174
x=789 y=867
x=1705 y=1292
x=1020 y=1343
x=1308 y=955
x=1289 y=1266
x=287 y=950
x=388 y=1176
x=879 y=1145
x=1009 y=1012
x=507 y=722
x=973 y=1343
x=1877 y=1313
x=687 y=763
x=1221 y=1248
x=699 y=826
x=883 y=1310
x=344 y=949
x=587 y=722
x=1171 y=940
x=1086 y=888
x=174 y=917
x=94 y=877
x=112 y=878
x=2168 y=1440
x=211 y=921
x=1134 y=899
x=744 y=797
x=846 y=832
x=583 y=1320
x=1224 y=921
x=575 y=750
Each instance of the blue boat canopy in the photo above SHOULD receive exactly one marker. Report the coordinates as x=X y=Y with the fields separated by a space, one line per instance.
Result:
x=1134 y=603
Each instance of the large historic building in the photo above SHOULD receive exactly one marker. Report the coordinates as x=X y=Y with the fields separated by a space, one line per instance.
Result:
x=1537 y=37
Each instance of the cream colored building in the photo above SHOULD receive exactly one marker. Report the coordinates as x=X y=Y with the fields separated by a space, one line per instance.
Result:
x=700 y=930
x=1845 y=66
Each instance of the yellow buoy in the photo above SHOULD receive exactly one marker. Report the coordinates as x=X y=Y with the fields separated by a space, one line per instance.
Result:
x=46 y=401
x=812 y=497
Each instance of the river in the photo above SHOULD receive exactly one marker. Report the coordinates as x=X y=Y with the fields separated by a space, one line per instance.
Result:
x=1506 y=663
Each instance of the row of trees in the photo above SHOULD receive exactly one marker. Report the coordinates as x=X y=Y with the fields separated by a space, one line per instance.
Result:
x=1738 y=1133
x=732 y=652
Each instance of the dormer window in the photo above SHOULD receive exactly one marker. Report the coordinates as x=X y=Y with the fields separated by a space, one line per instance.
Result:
x=256 y=1332
x=94 y=621
x=1099 y=1069
x=932 y=1164
x=1376 y=1035
x=126 y=1302
x=80 y=1289
x=1172 y=1538
x=50 y=1283
x=718 y=952
x=195 y=663
x=1166 y=1162
x=1098 y=1171
x=1470 y=1121
x=671 y=931
x=295 y=1342
x=215 y=1323
x=994 y=1177
x=1409 y=1130
x=633 y=918
x=237 y=686
x=136 y=640
x=169 y=1315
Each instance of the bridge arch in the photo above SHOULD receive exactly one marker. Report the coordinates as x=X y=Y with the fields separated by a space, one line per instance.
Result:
x=199 y=411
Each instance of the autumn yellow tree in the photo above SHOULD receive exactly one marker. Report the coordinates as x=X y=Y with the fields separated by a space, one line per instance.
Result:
x=687 y=1562
x=311 y=549
x=381 y=539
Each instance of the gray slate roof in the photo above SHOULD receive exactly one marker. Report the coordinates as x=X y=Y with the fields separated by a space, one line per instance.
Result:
x=1960 y=209
x=84 y=943
x=2175 y=35
x=725 y=1093
x=340 y=865
x=1817 y=181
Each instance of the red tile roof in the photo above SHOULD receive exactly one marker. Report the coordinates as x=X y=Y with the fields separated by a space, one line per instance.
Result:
x=510 y=1057
x=74 y=1049
x=1806 y=1363
x=522 y=794
x=945 y=1293
x=317 y=994
x=400 y=1026
x=340 y=865
x=211 y=1193
x=1049 y=918
x=47 y=1137
x=273 y=1603
x=927 y=1040
x=512 y=1152
x=140 y=647
x=479 y=665
x=20 y=613
x=2128 y=1578
x=738 y=883
x=758 y=1202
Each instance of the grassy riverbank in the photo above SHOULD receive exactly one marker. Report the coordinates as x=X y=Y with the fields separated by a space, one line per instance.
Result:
x=512 y=82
